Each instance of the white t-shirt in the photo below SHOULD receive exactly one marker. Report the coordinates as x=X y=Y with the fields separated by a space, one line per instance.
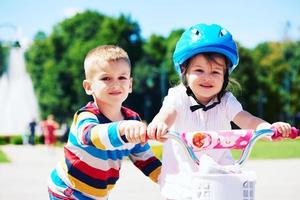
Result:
x=177 y=169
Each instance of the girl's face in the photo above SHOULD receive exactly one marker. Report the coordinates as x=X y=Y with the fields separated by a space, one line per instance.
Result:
x=205 y=77
x=110 y=83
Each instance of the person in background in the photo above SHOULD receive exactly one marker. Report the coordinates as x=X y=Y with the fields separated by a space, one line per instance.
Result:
x=49 y=126
x=32 y=128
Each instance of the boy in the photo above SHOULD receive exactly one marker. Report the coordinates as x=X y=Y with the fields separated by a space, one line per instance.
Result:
x=103 y=132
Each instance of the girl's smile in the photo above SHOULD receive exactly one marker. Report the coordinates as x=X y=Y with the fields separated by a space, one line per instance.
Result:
x=205 y=77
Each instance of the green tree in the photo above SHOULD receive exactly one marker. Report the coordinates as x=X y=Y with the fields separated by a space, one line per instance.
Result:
x=147 y=76
x=245 y=75
x=291 y=54
x=3 y=58
x=271 y=74
x=55 y=62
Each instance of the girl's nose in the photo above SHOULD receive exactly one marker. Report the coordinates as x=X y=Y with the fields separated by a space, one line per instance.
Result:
x=207 y=76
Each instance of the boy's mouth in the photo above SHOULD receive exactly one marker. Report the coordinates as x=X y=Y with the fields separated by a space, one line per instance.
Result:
x=115 y=93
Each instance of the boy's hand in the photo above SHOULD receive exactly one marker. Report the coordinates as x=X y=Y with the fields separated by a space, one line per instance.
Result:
x=134 y=131
x=157 y=130
x=283 y=128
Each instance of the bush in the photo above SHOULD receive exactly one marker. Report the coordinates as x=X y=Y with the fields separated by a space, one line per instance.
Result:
x=16 y=140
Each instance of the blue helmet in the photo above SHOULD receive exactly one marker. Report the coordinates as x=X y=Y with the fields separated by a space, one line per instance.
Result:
x=202 y=38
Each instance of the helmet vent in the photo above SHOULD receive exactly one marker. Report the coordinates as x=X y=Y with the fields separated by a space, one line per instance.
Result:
x=222 y=32
x=195 y=31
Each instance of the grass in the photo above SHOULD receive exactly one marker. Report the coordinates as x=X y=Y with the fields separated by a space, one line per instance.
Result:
x=274 y=150
x=3 y=157
x=262 y=150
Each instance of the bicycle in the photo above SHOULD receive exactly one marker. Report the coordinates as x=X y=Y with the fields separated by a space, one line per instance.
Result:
x=231 y=182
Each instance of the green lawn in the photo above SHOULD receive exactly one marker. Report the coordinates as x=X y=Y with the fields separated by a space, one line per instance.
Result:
x=262 y=150
x=274 y=150
x=3 y=157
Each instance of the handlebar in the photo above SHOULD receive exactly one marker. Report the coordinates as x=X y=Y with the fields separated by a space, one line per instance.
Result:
x=231 y=139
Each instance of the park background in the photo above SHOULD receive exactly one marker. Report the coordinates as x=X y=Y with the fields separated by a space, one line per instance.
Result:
x=268 y=71
x=56 y=35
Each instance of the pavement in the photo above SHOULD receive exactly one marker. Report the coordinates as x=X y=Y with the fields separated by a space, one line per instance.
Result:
x=25 y=177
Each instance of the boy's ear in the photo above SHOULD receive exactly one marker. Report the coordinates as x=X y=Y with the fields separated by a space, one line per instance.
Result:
x=130 y=85
x=87 y=87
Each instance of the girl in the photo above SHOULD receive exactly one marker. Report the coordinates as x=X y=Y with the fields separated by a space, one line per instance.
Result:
x=204 y=57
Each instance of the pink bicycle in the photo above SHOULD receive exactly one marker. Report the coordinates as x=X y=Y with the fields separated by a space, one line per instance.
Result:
x=232 y=183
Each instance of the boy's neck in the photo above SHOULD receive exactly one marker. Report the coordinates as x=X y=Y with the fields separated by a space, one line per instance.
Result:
x=112 y=112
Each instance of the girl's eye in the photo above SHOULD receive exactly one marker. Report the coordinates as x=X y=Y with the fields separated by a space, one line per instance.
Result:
x=122 y=78
x=199 y=70
x=217 y=72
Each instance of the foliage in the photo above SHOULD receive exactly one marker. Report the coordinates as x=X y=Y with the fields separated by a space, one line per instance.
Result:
x=55 y=62
x=3 y=56
x=16 y=140
x=267 y=74
x=3 y=157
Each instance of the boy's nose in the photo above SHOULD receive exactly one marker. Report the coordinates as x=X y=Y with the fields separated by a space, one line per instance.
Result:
x=116 y=83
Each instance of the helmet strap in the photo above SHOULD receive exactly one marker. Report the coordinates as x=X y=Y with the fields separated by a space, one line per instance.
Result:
x=199 y=105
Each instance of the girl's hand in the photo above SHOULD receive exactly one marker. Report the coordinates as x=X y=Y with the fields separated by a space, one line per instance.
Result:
x=283 y=128
x=156 y=131
x=134 y=131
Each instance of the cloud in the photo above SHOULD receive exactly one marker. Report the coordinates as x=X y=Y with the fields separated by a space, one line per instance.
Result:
x=70 y=12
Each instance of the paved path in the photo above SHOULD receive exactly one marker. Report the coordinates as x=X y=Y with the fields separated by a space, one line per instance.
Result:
x=26 y=176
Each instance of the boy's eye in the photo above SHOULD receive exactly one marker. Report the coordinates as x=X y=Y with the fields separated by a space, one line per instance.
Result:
x=122 y=77
x=105 y=79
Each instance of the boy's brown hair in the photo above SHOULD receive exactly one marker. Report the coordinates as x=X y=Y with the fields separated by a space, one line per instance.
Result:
x=104 y=53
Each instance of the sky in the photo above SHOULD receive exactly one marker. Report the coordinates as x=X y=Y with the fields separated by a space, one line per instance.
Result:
x=250 y=21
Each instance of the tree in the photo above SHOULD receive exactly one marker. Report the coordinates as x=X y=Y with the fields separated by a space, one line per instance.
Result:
x=245 y=75
x=3 y=56
x=56 y=61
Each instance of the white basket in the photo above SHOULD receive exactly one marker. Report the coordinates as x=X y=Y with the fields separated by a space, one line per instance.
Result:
x=224 y=186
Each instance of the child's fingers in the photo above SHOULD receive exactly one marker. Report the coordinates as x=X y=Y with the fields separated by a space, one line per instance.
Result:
x=161 y=131
x=151 y=130
x=283 y=128
x=286 y=130
x=139 y=134
x=130 y=134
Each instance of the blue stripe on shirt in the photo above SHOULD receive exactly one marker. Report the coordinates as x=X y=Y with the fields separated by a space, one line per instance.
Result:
x=113 y=134
x=139 y=148
x=59 y=182
x=98 y=153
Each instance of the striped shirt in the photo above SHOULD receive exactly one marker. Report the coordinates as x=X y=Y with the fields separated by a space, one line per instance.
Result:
x=93 y=157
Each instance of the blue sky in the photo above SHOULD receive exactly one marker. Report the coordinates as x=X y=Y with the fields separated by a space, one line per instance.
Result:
x=250 y=21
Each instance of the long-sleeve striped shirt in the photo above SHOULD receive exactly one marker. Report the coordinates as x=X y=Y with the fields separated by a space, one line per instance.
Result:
x=93 y=156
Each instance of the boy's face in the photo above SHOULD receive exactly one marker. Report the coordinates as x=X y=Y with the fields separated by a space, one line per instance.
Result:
x=109 y=83
x=205 y=77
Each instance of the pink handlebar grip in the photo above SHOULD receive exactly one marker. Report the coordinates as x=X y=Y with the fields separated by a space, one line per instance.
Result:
x=295 y=133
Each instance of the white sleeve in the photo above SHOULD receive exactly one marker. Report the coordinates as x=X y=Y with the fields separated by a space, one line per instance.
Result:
x=233 y=106
x=174 y=98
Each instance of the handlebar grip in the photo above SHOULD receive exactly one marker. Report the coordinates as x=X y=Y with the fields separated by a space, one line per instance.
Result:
x=294 y=133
